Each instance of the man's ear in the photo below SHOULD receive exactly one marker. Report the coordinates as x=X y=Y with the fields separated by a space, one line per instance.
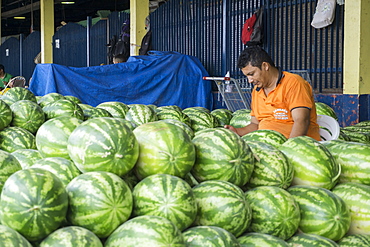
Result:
x=265 y=66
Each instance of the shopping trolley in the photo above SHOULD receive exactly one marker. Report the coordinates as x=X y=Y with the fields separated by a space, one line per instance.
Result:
x=235 y=93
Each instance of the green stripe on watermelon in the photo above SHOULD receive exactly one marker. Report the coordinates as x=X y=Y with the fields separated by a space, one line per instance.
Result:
x=99 y=202
x=63 y=107
x=14 y=138
x=10 y=237
x=33 y=202
x=201 y=120
x=174 y=107
x=271 y=137
x=324 y=109
x=196 y=108
x=357 y=198
x=357 y=240
x=145 y=231
x=209 y=236
x=222 y=204
x=140 y=114
x=18 y=93
x=182 y=125
x=73 y=98
x=117 y=109
x=322 y=212
x=26 y=157
x=356 y=136
x=6 y=115
x=223 y=116
x=49 y=98
x=103 y=144
x=222 y=155
x=166 y=196
x=240 y=120
x=95 y=112
x=255 y=239
x=274 y=211
x=174 y=114
x=8 y=165
x=312 y=162
x=27 y=115
x=309 y=240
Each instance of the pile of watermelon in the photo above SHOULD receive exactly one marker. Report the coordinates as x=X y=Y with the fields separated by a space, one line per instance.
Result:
x=143 y=175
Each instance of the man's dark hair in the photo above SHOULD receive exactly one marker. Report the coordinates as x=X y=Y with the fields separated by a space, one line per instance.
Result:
x=2 y=67
x=255 y=56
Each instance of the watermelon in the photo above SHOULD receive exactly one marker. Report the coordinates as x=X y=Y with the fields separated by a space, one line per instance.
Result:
x=312 y=162
x=103 y=144
x=174 y=114
x=129 y=124
x=94 y=112
x=222 y=204
x=28 y=115
x=140 y=114
x=14 y=138
x=52 y=136
x=84 y=106
x=10 y=237
x=322 y=212
x=33 y=202
x=18 y=93
x=271 y=137
x=49 y=98
x=309 y=240
x=357 y=198
x=8 y=165
x=223 y=116
x=131 y=179
x=357 y=240
x=26 y=157
x=354 y=159
x=222 y=155
x=190 y=179
x=99 y=202
x=255 y=239
x=241 y=119
x=241 y=112
x=115 y=108
x=6 y=115
x=145 y=231
x=64 y=169
x=167 y=196
x=274 y=211
x=173 y=107
x=164 y=148
x=324 y=109
x=272 y=167
x=356 y=136
x=182 y=125
x=72 y=236
x=209 y=236
x=196 y=108
x=63 y=107
x=73 y=98
x=201 y=120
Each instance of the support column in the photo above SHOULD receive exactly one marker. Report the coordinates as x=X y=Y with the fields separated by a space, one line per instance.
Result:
x=47 y=30
x=139 y=10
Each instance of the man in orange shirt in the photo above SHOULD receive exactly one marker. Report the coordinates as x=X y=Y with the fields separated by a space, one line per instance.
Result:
x=281 y=101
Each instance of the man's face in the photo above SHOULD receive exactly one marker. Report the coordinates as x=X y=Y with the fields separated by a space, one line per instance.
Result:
x=255 y=75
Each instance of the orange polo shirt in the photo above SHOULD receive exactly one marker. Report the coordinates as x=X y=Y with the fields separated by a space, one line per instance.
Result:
x=274 y=110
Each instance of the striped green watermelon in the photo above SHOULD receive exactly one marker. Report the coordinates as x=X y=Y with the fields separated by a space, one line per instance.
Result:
x=63 y=107
x=357 y=198
x=272 y=167
x=115 y=108
x=33 y=202
x=324 y=109
x=166 y=196
x=271 y=137
x=274 y=211
x=223 y=116
x=140 y=114
x=322 y=212
x=8 y=165
x=173 y=107
x=343 y=136
x=131 y=179
x=52 y=136
x=99 y=202
x=27 y=115
x=49 y=98
x=209 y=236
x=354 y=159
x=255 y=239
x=146 y=231
x=73 y=98
x=94 y=112
x=129 y=124
x=241 y=119
x=64 y=169
x=71 y=236
x=153 y=107
x=26 y=157
x=222 y=204
x=241 y=112
x=182 y=125
x=196 y=108
x=6 y=115
x=18 y=93
x=14 y=138
x=222 y=155
x=10 y=237
x=201 y=120
x=357 y=240
x=103 y=144
x=312 y=162
x=164 y=148
x=190 y=179
x=84 y=106
x=174 y=114
x=309 y=240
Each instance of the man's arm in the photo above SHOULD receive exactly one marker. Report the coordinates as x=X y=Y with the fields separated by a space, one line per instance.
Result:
x=301 y=118
x=247 y=129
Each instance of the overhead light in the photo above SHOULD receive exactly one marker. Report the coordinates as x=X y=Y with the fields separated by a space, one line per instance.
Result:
x=67 y=2
x=19 y=17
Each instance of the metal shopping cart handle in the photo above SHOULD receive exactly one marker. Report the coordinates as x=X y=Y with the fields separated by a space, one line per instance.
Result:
x=215 y=78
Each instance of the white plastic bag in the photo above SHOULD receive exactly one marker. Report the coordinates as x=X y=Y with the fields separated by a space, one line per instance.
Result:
x=324 y=14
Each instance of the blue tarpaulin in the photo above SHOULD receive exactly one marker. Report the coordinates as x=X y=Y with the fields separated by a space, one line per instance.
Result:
x=161 y=78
